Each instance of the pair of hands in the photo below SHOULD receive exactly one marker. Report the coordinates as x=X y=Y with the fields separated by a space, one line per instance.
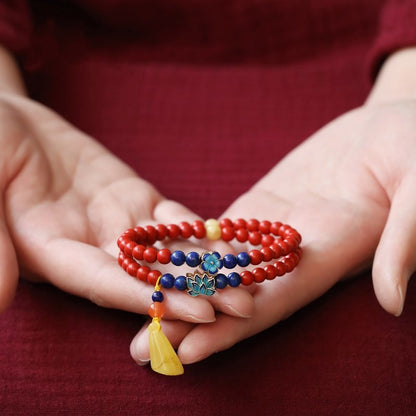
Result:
x=349 y=190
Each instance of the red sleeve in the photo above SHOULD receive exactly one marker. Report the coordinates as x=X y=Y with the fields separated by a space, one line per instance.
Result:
x=397 y=29
x=15 y=25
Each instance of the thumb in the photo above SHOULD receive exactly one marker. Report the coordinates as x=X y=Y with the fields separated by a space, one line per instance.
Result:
x=395 y=258
x=9 y=270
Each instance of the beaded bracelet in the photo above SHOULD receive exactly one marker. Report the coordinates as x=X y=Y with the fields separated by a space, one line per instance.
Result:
x=280 y=246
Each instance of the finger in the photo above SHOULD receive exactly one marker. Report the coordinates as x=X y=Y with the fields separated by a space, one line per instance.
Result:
x=9 y=270
x=395 y=258
x=234 y=301
x=97 y=276
x=168 y=211
x=273 y=301
x=174 y=330
x=204 y=340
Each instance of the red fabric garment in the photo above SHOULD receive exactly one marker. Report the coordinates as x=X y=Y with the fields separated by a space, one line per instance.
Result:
x=217 y=92
x=397 y=29
x=15 y=25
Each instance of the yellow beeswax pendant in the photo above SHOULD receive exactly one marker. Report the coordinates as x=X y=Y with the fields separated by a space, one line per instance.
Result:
x=163 y=358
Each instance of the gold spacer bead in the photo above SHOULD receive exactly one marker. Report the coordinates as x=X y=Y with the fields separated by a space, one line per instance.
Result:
x=213 y=229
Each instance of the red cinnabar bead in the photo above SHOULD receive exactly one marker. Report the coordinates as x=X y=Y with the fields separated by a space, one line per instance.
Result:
x=295 y=256
x=186 y=229
x=226 y=222
x=153 y=276
x=297 y=236
x=227 y=233
x=280 y=268
x=138 y=251
x=259 y=274
x=142 y=234
x=151 y=234
x=247 y=278
x=264 y=227
x=142 y=273
x=126 y=263
x=150 y=255
x=284 y=247
x=256 y=256
x=120 y=258
x=277 y=250
x=253 y=225
x=163 y=256
x=275 y=227
x=285 y=230
x=128 y=248
x=268 y=253
x=173 y=231
x=291 y=242
x=254 y=238
x=240 y=223
x=132 y=269
x=199 y=229
x=271 y=272
x=267 y=240
x=241 y=235
x=289 y=263
x=121 y=242
x=162 y=232
x=130 y=234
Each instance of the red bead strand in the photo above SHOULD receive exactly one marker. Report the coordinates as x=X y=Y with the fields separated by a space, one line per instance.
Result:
x=276 y=241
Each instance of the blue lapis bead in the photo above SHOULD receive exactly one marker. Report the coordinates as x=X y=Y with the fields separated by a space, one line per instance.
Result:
x=180 y=283
x=220 y=281
x=167 y=281
x=230 y=261
x=193 y=259
x=234 y=279
x=157 y=296
x=243 y=259
x=178 y=258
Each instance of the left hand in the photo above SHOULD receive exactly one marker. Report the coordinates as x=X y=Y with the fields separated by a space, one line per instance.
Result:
x=350 y=191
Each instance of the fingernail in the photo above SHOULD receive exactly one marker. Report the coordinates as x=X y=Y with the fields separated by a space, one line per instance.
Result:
x=401 y=304
x=142 y=362
x=235 y=312
x=196 y=319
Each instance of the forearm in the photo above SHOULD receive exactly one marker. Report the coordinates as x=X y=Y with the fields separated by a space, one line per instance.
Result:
x=10 y=78
x=396 y=79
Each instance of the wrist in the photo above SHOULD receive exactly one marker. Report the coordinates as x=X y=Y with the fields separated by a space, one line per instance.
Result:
x=396 y=79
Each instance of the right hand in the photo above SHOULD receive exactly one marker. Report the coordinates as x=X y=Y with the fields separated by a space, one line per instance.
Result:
x=65 y=200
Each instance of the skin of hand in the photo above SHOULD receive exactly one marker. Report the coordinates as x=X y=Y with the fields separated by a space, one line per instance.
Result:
x=350 y=191
x=65 y=200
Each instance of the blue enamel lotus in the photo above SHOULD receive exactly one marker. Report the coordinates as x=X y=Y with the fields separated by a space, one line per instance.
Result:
x=211 y=262
x=200 y=285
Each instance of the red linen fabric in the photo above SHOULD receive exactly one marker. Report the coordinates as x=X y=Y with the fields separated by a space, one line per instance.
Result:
x=15 y=24
x=202 y=99
x=397 y=29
